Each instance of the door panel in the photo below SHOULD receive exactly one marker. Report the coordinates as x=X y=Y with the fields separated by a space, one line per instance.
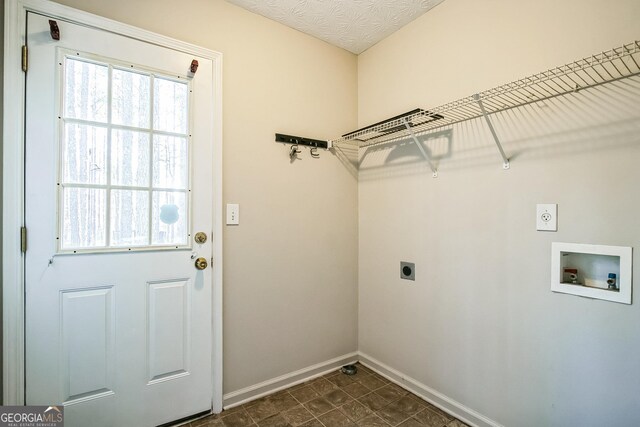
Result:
x=121 y=336
x=168 y=325
x=87 y=324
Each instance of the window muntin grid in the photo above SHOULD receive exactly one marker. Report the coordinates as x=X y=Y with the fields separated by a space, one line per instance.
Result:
x=124 y=158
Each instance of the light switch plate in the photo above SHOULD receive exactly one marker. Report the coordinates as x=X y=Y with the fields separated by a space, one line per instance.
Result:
x=547 y=217
x=233 y=214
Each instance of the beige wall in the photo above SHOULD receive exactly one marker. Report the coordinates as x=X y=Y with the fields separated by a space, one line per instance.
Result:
x=290 y=268
x=480 y=323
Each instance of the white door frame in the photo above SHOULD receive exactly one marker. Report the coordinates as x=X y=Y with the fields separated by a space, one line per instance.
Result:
x=13 y=183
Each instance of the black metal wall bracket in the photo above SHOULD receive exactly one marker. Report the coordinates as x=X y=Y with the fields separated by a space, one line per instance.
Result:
x=54 y=30
x=289 y=139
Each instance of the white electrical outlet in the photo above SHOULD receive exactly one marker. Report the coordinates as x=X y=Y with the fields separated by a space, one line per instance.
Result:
x=547 y=217
x=233 y=214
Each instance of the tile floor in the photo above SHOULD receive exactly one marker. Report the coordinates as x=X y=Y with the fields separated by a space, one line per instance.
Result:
x=336 y=400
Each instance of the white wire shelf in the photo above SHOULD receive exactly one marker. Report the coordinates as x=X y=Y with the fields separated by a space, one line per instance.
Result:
x=615 y=64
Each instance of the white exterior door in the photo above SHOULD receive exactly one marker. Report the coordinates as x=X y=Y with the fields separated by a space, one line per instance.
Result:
x=118 y=153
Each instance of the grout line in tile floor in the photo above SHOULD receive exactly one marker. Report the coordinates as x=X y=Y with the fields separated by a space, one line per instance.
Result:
x=365 y=399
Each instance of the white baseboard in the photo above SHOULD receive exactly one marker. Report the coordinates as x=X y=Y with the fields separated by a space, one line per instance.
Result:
x=282 y=382
x=432 y=396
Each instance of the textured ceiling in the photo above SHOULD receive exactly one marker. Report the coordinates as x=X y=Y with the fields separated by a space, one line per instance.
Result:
x=354 y=25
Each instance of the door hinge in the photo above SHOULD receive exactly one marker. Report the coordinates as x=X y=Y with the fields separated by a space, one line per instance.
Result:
x=23 y=239
x=25 y=58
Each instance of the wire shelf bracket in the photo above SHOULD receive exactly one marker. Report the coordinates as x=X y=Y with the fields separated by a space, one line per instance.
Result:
x=505 y=159
x=434 y=171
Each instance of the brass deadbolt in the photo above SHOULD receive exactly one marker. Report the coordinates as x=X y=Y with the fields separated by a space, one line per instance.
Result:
x=201 y=263
x=200 y=237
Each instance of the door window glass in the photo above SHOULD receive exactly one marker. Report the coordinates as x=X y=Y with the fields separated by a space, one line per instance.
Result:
x=124 y=152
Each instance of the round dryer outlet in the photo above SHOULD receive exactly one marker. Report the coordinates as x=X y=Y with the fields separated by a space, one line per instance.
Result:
x=407 y=270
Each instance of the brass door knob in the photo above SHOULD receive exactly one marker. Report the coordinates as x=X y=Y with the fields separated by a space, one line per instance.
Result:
x=201 y=263
x=200 y=237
